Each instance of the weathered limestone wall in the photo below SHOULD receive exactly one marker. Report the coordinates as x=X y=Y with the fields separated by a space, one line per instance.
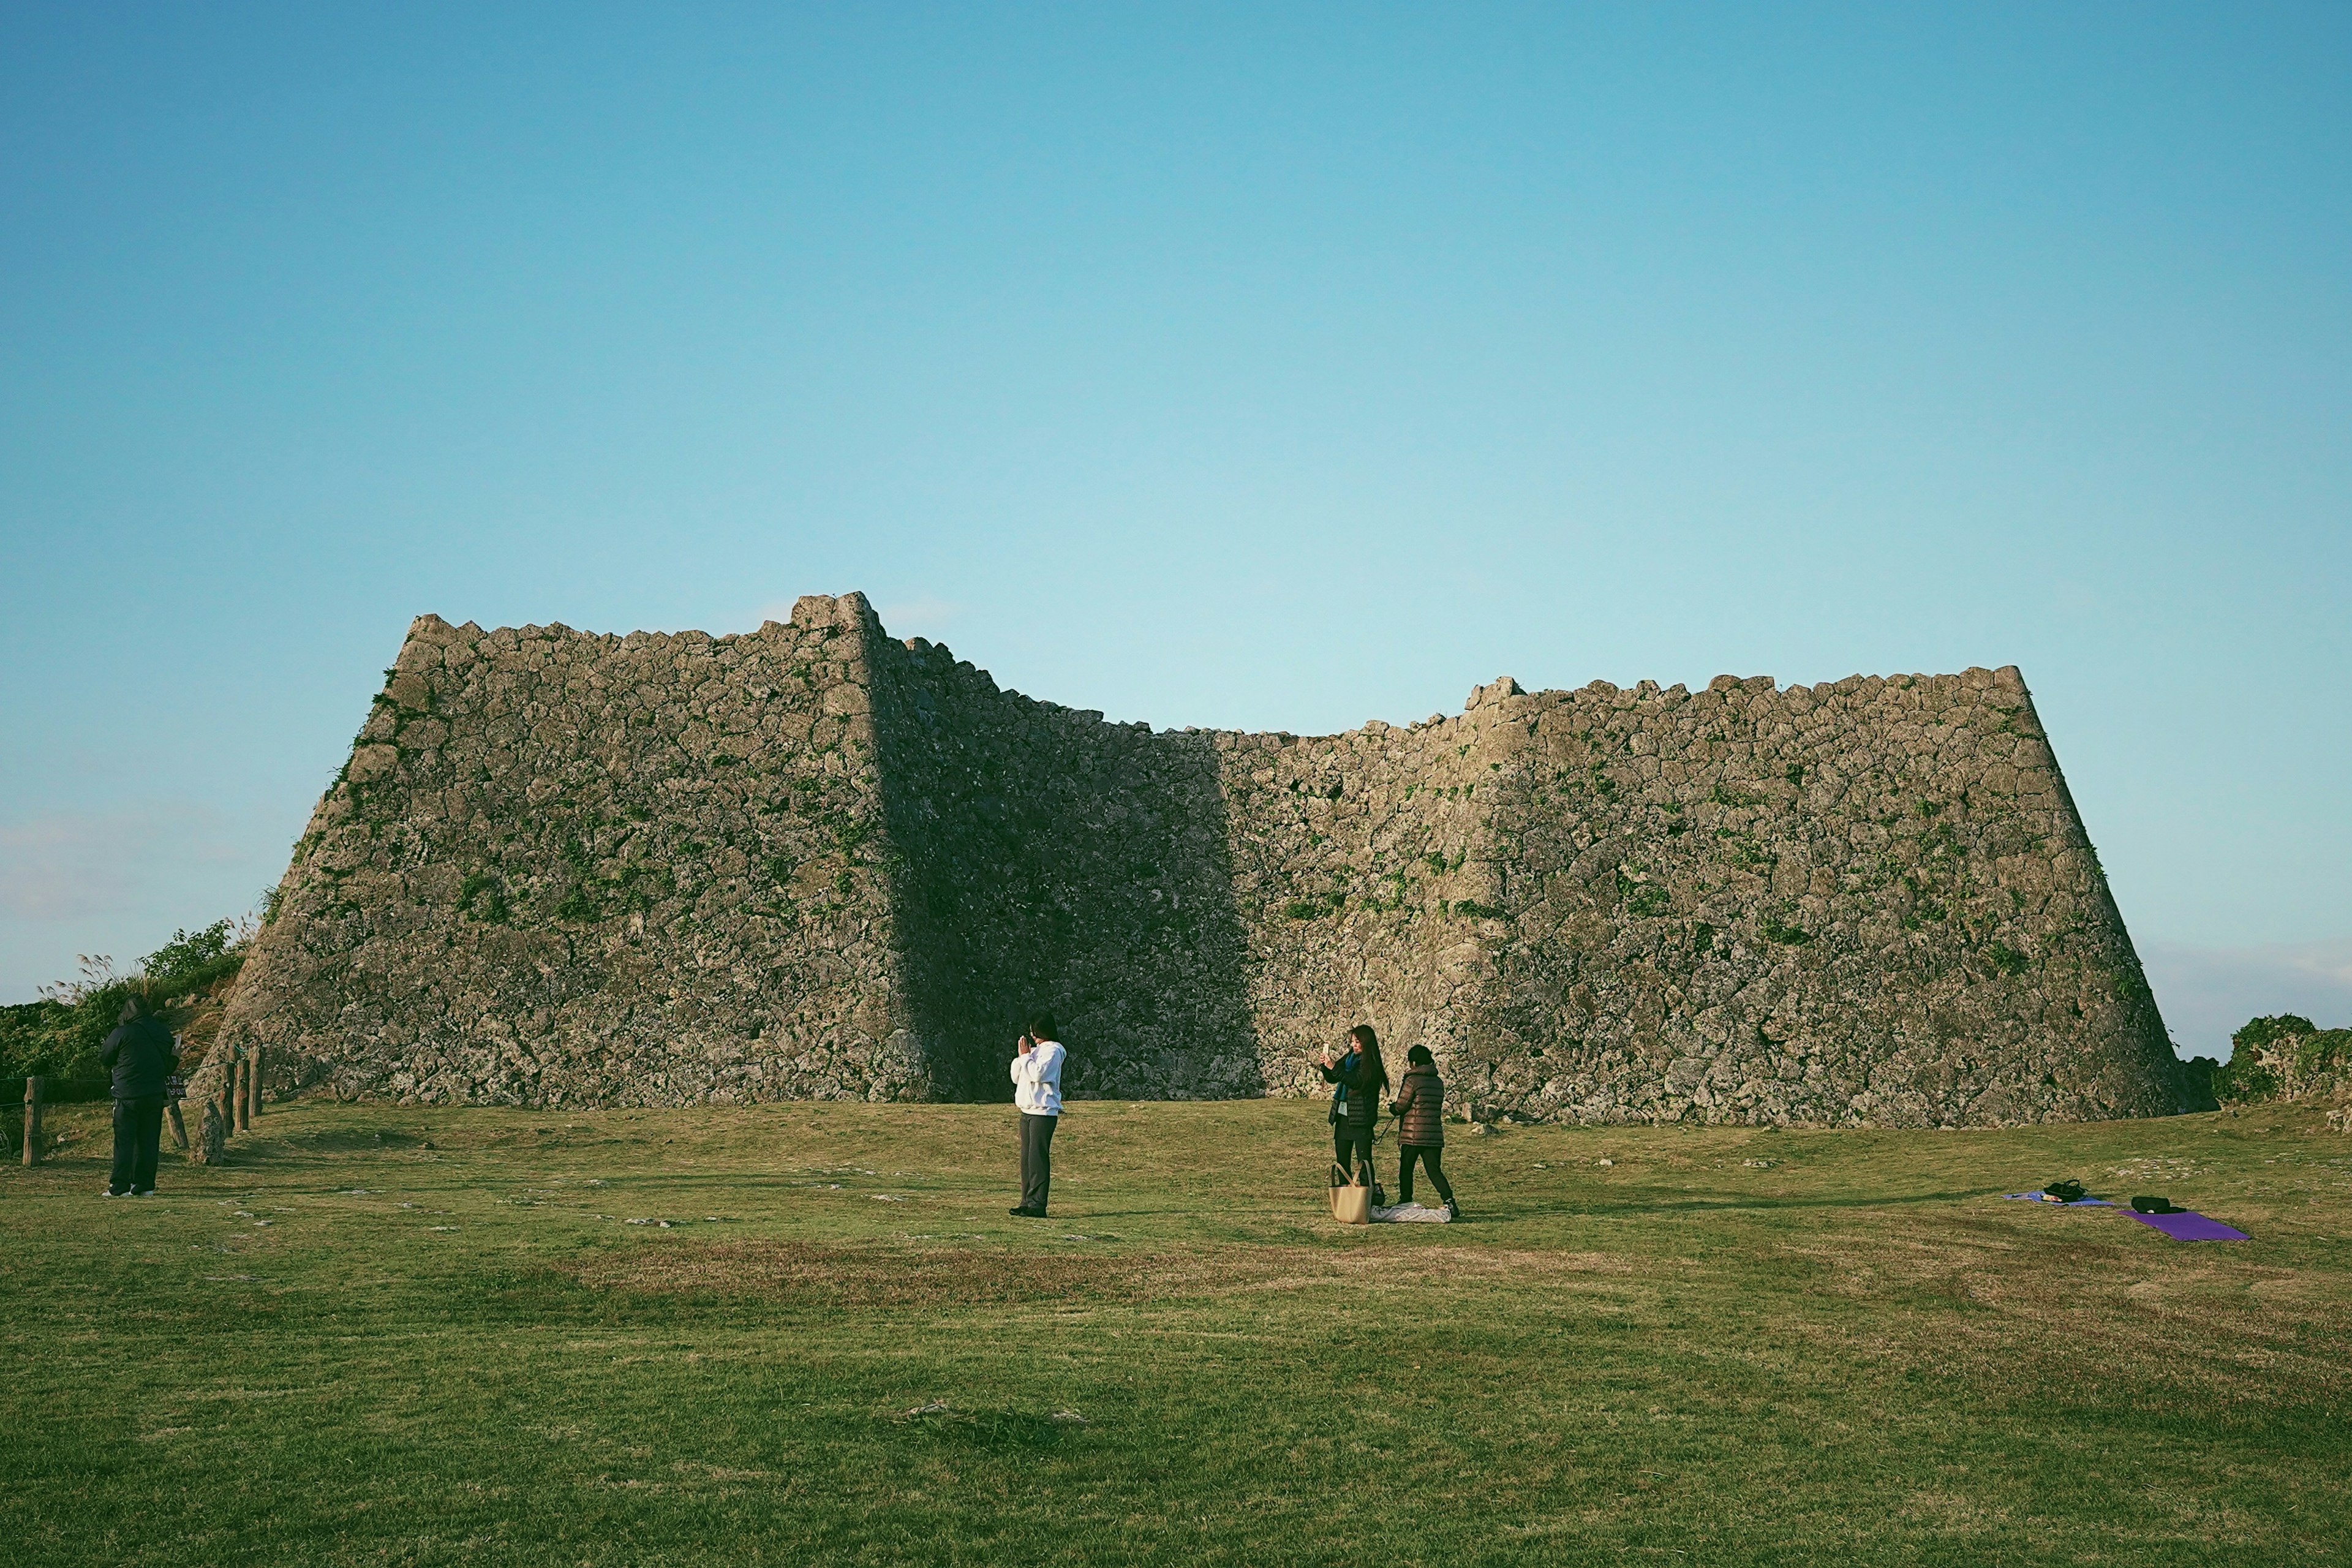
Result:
x=1049 y=856
x=813 y=860
x=1868 y=901
x=627 y=871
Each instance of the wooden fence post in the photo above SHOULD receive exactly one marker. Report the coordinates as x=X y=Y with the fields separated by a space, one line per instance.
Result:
x=241 y=1093
x=253 y=1054
x=224 y=1100
x=179 y=1127
x=33 y=1120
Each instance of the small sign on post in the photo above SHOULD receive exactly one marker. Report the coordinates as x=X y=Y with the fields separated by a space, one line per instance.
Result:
x=33 y=1120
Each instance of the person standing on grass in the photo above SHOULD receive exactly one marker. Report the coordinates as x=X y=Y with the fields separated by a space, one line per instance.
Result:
x=1421 y=1128
x=1038 y=1091
x=1356 y=1104
x=140 y=1054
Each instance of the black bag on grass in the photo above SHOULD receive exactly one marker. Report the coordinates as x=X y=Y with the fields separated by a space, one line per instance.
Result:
x=2065 y=1192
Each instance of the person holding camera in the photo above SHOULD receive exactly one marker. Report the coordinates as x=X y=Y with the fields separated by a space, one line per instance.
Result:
x=1037 y=1093
x=1356 y=1103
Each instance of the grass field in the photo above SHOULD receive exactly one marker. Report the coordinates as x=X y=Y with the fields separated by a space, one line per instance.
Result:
x=393 y=1335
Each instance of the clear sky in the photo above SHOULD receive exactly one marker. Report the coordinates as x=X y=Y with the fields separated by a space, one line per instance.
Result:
x=1262 y=366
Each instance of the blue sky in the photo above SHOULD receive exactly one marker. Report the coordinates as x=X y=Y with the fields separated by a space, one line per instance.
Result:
x=1276 y=367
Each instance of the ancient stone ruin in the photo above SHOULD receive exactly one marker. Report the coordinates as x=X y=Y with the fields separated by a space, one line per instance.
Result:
x=811 y=861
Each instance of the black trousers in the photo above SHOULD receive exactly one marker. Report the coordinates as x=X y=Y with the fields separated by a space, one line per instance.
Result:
x=1352 y=1144
x=1036 y=1160
x=138 y=1139
x=1431 y=1157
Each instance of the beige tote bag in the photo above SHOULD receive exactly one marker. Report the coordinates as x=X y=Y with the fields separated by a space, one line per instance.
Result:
x=1351 y=1201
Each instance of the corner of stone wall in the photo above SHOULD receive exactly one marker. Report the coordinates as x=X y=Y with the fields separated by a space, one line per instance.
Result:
x=2132 y=989
x=903 y=1070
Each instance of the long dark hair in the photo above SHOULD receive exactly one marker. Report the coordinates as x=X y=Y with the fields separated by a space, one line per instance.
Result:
x=1368 y=1044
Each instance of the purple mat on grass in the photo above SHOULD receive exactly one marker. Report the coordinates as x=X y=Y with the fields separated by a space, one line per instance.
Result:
x=2187 y=1225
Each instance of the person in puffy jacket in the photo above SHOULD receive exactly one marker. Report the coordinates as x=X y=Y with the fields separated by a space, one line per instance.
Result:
x=1356 y=1104
x=1421 y=1128
x=141 y=1054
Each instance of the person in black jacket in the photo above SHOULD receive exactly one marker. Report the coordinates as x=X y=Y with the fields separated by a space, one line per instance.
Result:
x=140 y=1052
x=1356 y=1104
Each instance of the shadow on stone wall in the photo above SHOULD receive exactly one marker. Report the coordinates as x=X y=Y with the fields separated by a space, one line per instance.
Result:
x=1045 y=857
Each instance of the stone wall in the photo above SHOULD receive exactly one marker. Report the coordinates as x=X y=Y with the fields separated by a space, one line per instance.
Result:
x=1048 y=857
x=814 y=861
x=600 y=870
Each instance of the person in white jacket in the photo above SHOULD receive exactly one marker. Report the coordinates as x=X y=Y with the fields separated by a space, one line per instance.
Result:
x=1038 y=1091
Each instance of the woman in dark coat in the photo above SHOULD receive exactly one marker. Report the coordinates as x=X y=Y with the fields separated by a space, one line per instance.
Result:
x=1421 y=1128
x=1356 y=1105
x=141 y=1054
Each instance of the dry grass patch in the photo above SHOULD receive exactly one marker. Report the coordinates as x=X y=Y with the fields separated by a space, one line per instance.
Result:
x=829 y=1274
x=852 y=1276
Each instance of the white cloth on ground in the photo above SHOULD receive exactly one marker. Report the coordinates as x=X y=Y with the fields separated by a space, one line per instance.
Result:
x=1410 y=1214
